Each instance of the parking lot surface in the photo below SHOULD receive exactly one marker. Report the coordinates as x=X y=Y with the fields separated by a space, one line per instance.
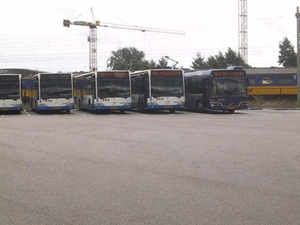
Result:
x=150 y=168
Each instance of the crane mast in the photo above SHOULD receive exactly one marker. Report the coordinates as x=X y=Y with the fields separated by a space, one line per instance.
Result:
x=92 y=38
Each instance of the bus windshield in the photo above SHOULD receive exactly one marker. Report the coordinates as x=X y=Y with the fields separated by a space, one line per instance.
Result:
x=113 y=87
x=56 y=86
x=166 y=86
x=229 y=87
x=9 y=87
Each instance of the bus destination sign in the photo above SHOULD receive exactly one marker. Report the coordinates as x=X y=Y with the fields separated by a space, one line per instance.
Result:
x=112 y=74
x=166 y=73
x=228 y=73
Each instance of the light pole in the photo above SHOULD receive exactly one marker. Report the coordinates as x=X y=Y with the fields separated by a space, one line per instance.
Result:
x=298 y=53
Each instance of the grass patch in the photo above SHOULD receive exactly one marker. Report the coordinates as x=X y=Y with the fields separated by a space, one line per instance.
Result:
x=260 y=101
x=26 y=106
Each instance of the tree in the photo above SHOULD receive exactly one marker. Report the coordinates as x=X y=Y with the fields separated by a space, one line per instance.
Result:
x=199 y=62
x=235 y=59
x=162 y=63
x=212 y=62
x=287 y=56
x=128 y=59
x=219 y=61
x=150 y=64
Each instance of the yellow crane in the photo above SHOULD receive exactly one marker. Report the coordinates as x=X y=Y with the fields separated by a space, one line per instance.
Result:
x=92 y=38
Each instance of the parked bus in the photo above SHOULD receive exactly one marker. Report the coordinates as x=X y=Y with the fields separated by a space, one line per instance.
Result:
x=51 y=91
x=103 y=91
x=216 y=89
x=11 y=92
x=158 y=89
x=26 y=74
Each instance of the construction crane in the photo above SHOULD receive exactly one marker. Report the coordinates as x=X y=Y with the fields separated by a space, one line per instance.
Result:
x=92 y=38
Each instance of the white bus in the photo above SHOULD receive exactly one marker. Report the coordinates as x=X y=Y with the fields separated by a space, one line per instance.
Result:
x=11 y=92
x=158 y=89
x=52 y=91
x=103 y=91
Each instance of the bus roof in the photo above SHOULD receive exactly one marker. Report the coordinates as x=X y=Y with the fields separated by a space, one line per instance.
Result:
x=156 y=69
x=24 y=72
x=10 y=74
x=41 y=74
x=212 y=72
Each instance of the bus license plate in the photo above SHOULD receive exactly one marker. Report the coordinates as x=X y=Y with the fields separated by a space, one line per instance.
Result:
x=55 y=108
x=114 y=107
x=231 y=107
x=168 y=106
x=4 y=109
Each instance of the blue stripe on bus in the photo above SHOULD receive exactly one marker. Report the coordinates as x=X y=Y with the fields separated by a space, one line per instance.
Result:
x=165 y=106
x=11 y=108
x=54 y=107
x=111 y=107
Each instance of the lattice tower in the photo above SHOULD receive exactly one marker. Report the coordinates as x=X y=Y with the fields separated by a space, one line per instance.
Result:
x=243 y=29
x=92 y=39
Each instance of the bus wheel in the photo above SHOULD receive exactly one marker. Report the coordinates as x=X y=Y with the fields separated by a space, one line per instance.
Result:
x=79 y=105
x=122 y=111
x=68 y=111
x=140 y=107
x=90 y=107
x=172 y=110
x=198 y=107
x=231 y=111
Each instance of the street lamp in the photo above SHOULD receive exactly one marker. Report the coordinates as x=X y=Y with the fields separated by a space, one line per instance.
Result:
x=298 y=53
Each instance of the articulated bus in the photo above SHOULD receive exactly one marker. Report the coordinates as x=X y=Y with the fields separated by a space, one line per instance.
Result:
x=157 y=89
x=216 y=89
x=10 y=92
x=51 y=92
x=103 y=91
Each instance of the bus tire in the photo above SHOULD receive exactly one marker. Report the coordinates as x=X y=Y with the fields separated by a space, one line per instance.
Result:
x=90 y=107
x=79 y=105
x=68 y=111
x=231 y=111
x=139 y=106
x=198 y=107
x=172 y=110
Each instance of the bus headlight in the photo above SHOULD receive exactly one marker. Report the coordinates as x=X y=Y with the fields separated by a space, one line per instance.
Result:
x=98 y=104
x=152 y=103
x=127 y=103
x=215 y=105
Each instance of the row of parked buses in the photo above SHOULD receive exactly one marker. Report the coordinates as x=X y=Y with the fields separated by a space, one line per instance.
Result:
x=153 y=89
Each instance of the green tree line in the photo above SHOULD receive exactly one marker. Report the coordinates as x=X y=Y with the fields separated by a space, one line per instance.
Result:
x=130 y=58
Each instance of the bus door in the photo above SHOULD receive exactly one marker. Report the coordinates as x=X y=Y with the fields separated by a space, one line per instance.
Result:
x=146 y=88
x=144 y=91
x=206 y=92
x=34 y=93
x=188 y=90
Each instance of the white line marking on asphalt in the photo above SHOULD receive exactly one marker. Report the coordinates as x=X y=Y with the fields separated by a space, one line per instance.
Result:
x=81 y=114
x=27 y=113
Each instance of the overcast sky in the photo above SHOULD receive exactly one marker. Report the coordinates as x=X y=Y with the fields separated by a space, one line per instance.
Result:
x=32 y=34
